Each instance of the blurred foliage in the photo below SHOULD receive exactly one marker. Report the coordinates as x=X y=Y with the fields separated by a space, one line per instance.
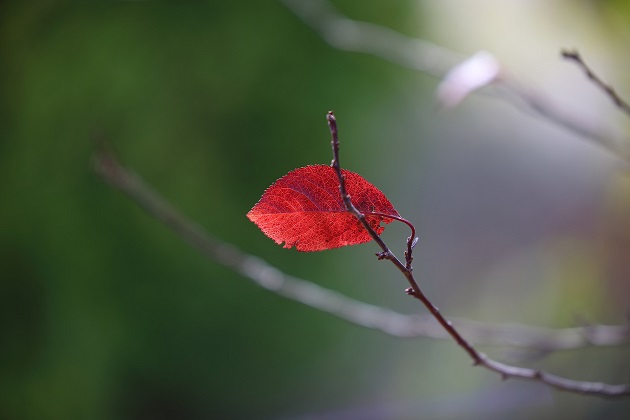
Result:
x=104 y=313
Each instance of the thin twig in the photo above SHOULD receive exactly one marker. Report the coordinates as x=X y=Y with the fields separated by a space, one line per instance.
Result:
x=506 y=371
x=575 y=56
x=386 y=253
x=350 y=35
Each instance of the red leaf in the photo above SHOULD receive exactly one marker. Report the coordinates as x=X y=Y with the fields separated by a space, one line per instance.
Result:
x=304 y=209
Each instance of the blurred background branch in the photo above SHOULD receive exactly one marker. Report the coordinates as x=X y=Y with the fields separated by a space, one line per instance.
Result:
x=433 y=60
x=541 y=340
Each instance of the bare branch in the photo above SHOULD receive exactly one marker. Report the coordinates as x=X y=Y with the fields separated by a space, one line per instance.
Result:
x=506 y=371
x=430 y=59
x=575 y=56
x=351 y=35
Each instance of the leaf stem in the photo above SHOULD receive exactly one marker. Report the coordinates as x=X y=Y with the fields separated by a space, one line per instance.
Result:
x=411 y=240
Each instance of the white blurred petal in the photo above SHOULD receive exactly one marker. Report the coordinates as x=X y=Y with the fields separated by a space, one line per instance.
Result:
x=479 y=70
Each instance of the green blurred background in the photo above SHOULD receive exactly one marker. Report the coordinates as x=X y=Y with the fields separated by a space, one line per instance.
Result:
x=107 y=315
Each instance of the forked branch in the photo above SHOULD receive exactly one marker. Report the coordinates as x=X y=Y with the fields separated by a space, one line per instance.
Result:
x=506 y=371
